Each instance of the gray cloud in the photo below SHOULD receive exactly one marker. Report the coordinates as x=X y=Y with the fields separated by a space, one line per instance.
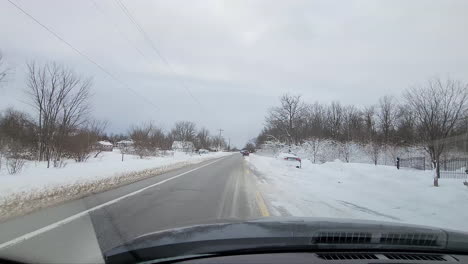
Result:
x=236 y=57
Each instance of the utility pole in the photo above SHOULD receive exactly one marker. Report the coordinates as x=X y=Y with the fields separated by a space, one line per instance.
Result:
x=229 y=145
x=219 y=139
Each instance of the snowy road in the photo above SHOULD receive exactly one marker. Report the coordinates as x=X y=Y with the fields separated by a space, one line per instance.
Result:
x=213 y=191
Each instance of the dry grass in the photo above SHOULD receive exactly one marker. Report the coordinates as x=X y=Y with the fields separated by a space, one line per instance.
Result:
x=22 y=203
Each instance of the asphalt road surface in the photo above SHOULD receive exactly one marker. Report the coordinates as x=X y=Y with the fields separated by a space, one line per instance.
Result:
x=218 y=190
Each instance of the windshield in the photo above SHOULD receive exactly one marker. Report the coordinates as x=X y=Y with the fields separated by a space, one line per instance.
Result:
x=123 y=118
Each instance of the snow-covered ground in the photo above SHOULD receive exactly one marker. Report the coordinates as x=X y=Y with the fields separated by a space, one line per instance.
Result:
x=38 y=183
x=361 y=191
x=324 y=150
x=36 y=176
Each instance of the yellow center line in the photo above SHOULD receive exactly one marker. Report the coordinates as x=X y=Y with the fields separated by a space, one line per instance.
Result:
x=258 y=198
x=261 y=205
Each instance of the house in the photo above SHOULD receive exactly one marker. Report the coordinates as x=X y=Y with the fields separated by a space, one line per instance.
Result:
x=183 y=146
x=105 y=146
x=124 y=143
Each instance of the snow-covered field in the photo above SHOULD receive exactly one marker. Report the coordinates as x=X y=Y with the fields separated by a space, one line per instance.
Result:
x=324 y=150
x=38 y=183
x=361 y=191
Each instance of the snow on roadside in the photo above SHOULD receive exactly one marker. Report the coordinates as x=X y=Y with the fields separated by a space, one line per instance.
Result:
x=36 y=186
x=361 y=191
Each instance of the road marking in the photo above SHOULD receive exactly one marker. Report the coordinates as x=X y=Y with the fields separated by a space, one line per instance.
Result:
x=261 y=204
x=235 y=196
x=83 y=213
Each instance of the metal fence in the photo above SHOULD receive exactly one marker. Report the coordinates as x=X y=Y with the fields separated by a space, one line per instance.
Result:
x=454 y=168
x=418 y=163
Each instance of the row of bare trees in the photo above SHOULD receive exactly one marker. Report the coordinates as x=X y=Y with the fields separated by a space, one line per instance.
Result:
x=423 y=116
x=60 y=128
x=202 y=138
x=148 y=138
x=296 y=121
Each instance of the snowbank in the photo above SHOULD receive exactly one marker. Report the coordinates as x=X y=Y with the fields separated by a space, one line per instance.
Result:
x=361 y=191
x=323 y=150
x=37 y=186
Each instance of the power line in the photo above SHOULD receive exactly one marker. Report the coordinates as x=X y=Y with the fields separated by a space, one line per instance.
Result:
x=122 y=35
x=153 y=46
x=82 y=54
x=149 y=41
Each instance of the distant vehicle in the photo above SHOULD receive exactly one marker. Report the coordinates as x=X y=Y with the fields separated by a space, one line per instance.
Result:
x=292 y=158
x=245 y=152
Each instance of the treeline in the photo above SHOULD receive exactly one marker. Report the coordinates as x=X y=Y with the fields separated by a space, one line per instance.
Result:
x=61 y=126
x=148 y=139
x=424 y=115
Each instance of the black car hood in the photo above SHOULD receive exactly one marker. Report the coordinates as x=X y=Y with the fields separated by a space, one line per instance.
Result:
x=289 y=232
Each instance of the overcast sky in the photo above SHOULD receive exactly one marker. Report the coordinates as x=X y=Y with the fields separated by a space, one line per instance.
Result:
x=235 y=57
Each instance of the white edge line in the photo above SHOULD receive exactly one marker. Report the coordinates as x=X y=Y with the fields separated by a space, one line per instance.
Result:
x=83 y=213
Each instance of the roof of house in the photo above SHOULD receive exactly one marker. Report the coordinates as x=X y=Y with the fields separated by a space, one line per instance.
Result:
x=105 y=143
x=125 y=142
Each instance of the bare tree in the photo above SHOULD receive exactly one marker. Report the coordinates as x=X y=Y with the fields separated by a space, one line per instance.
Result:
x=405 y=126
x=352 y=123
x=141 y=139
x=17 y=127
x=74 y=108
x=184 y=131
x=315 y=121
x=203 y=139
x=218 y=143
x=15 y=157
x=147 y=139
x=370 y=130
x=374 y=150
x=124 y=149
x=16 y=139
x=81 y=142
x=250 y=147
x=335 y=119
x=345 y=150
x=315 y=145
x=158 y=139
x=386 y=116
x=437 y=107
x=288 y=117
x=14 y=164
x=60 y=98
